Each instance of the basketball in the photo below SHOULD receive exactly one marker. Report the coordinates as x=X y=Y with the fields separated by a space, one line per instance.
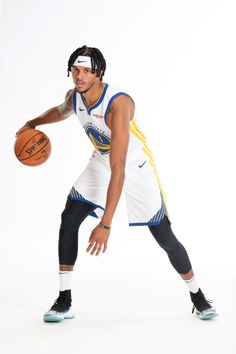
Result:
x=32 y=147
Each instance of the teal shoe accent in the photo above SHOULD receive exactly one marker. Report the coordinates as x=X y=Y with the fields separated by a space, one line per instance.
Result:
x=69 y=317
x=52 y=318
x=57 y=316
x=208 y=317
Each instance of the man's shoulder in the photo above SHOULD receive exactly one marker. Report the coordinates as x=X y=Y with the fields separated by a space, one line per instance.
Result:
x=69 y=93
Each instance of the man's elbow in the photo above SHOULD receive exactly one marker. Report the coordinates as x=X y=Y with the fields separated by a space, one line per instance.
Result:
x=118 y=168
x=62 y=113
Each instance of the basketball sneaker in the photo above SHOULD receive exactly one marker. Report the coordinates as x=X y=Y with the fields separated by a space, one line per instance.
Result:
x=61 y=309
x=202 y=306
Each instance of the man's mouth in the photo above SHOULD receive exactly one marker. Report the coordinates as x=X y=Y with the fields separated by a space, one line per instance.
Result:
x=79 y=83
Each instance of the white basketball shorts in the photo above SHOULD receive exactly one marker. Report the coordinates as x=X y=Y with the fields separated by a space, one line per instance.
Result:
x=145 y=204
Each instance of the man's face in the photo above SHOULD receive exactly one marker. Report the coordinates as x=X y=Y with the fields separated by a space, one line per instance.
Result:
x=83 y=78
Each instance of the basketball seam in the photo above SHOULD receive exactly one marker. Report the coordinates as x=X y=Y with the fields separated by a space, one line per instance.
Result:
x=27 y=143
x=35 y=153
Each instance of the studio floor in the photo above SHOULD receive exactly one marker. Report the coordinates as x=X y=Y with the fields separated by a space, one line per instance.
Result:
x=119 y=315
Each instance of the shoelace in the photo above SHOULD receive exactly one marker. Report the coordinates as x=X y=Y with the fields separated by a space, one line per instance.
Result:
x=202 y=302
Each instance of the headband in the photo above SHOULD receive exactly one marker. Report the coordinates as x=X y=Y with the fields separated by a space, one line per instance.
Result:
x=83 y=61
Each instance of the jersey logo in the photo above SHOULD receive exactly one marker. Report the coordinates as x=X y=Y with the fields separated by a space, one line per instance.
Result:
x=140 y=166
x=97 y=115
x=100 y=141
x=81 y=109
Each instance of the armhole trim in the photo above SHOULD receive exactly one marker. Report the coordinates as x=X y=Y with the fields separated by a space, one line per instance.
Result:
x=110 y=102
x=74 y=100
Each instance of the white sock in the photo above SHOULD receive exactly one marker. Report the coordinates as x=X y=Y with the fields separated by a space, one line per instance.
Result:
x=192 y=285
x=65 y=280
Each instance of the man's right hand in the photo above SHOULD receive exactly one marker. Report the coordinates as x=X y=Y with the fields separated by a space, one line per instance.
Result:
x=25 y=127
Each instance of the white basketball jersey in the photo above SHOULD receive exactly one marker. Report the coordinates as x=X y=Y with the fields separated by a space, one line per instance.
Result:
x=93 y=120
x=143 y=201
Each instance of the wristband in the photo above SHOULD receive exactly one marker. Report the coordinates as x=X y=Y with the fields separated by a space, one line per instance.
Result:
x=104 y=226
x=29 y=125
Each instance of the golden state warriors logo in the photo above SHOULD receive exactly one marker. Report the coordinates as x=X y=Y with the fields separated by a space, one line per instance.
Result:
x=100 y=141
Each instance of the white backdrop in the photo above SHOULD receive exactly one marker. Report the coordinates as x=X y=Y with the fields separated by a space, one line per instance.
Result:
x=177 y=60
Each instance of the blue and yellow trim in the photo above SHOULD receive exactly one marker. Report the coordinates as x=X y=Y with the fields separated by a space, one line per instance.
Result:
x=110 y=102
x=99 y=100
x=136 y=132
x=75 y=195
x=74 y=100
x=96 y=104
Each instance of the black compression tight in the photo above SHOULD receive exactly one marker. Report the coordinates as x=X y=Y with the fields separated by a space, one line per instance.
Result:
x=174 y=249
x=73 y=215
x=76 y=211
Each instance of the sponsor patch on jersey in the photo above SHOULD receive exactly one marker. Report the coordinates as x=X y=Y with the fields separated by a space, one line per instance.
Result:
x=97 y=115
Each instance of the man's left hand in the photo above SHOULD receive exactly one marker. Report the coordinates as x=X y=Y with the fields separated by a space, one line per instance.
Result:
x=97 y=240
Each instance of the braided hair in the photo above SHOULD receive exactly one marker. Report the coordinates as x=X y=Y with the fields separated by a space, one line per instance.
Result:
x=97 y=60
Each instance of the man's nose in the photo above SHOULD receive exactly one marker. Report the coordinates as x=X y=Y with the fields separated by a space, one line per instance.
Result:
x=79 y=75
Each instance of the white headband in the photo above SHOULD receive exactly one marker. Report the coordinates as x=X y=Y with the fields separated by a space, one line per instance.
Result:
x=83 y=61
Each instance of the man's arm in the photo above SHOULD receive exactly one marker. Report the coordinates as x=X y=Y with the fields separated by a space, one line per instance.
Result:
x=53 y=115
x=122 y=110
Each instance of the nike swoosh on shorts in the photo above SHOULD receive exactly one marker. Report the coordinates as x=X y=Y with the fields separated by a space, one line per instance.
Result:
x=142 y=164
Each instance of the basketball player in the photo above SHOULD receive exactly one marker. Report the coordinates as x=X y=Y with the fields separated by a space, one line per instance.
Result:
x=121 y=160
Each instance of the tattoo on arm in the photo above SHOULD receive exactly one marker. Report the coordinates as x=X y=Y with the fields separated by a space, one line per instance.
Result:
x=66 y=108
x=110 y=110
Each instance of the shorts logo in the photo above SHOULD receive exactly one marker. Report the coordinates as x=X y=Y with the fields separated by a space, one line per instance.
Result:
x=140 y=166
x=99 y=140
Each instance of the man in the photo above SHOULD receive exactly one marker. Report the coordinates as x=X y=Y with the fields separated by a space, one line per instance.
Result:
x=121 y=160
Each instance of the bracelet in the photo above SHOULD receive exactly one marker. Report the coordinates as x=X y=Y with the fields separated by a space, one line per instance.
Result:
x=104 y=226
x=30 y=125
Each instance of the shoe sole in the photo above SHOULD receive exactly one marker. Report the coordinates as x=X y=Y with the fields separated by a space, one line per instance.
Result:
x=54 y=318
x=207 y=317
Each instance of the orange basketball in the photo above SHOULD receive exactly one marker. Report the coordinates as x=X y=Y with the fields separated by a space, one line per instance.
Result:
x=32 y=147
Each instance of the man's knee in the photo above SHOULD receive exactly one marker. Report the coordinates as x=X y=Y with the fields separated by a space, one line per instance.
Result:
x=175 y=250
x=74 y=214
x=69 y=222
x=164 y=235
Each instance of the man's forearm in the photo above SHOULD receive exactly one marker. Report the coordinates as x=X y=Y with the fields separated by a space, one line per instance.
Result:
x=53 y=115
x=113 y=194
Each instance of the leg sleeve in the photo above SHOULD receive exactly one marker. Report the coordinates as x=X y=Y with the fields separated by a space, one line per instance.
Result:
x=73 y=215
x=176 y=252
